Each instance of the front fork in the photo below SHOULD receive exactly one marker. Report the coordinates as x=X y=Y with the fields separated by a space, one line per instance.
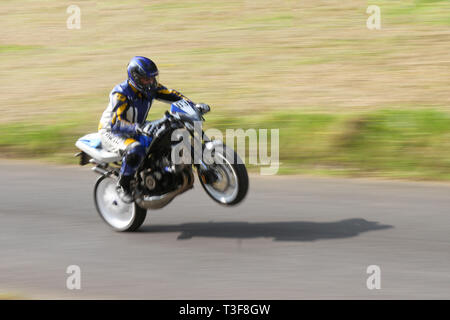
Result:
x=205 y=172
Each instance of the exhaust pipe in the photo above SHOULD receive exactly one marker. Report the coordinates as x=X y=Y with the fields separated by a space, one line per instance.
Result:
x=157 y=202
x=101 y=171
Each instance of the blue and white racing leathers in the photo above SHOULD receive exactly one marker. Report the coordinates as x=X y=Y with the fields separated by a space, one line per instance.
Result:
x=128 y=107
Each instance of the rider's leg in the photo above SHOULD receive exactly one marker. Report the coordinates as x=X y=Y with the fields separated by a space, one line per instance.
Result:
x=134 y=154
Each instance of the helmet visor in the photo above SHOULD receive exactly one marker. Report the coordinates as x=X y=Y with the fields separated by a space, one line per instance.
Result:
x=149 y=82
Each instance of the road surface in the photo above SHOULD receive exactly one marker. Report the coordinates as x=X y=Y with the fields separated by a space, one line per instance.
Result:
x=292 y=238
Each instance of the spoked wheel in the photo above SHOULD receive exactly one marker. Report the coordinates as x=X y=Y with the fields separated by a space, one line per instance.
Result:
x=226 y=182
x=119 y=215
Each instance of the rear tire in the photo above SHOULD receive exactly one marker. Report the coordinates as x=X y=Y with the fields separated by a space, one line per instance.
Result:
x=118 y=215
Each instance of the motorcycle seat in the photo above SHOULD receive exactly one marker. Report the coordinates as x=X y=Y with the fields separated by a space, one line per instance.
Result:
x=91 y=145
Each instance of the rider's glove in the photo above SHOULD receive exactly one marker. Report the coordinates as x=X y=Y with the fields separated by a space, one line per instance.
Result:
x=203 y=107
x=123 y=127
x=150 y=127
x=138 y=129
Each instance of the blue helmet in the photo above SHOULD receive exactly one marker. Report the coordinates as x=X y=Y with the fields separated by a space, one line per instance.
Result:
x=142 y=74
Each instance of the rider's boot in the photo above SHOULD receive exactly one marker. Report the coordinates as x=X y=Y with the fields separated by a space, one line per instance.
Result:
x=124 y=189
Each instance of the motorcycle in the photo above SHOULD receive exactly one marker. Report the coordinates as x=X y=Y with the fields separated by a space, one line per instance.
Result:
x=162 y=176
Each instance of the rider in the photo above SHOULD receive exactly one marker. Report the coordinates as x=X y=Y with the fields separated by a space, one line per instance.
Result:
x=121 y=124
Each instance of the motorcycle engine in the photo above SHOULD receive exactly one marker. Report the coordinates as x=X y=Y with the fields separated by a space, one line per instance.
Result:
x=149 y=179
x=162 y=178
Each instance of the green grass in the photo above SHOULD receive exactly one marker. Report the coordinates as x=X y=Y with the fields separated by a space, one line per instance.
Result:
x=397 y=143
x=431 y=12
x=30 y=140
x=392 y=143
x=11 y=48
x=413 y=144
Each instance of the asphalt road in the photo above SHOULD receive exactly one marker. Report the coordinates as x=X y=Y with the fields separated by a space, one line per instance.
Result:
x=292 y=238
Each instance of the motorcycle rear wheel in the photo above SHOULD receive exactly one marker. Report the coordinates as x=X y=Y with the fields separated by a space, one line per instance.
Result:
x=121 y=216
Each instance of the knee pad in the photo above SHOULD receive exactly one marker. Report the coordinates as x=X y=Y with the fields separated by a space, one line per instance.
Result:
x=132 y=159
x=135 y=155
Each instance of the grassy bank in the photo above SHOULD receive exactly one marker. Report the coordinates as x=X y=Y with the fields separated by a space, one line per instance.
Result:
x=410 y=144
x=387 y=143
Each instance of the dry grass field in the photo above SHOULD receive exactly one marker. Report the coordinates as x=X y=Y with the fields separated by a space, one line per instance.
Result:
x=246 y=56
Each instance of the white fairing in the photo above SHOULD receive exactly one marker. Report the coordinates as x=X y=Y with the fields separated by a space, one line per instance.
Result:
x=91 y=145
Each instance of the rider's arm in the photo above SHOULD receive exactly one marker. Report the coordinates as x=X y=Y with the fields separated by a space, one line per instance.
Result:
x=168 y=95
x=119 y=124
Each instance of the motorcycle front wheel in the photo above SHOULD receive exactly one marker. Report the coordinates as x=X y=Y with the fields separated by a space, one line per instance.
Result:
x=226 y=182
x=117 y=214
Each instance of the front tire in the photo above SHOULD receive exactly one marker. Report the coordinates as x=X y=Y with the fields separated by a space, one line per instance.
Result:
x=121 y=216
x=232 y=183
